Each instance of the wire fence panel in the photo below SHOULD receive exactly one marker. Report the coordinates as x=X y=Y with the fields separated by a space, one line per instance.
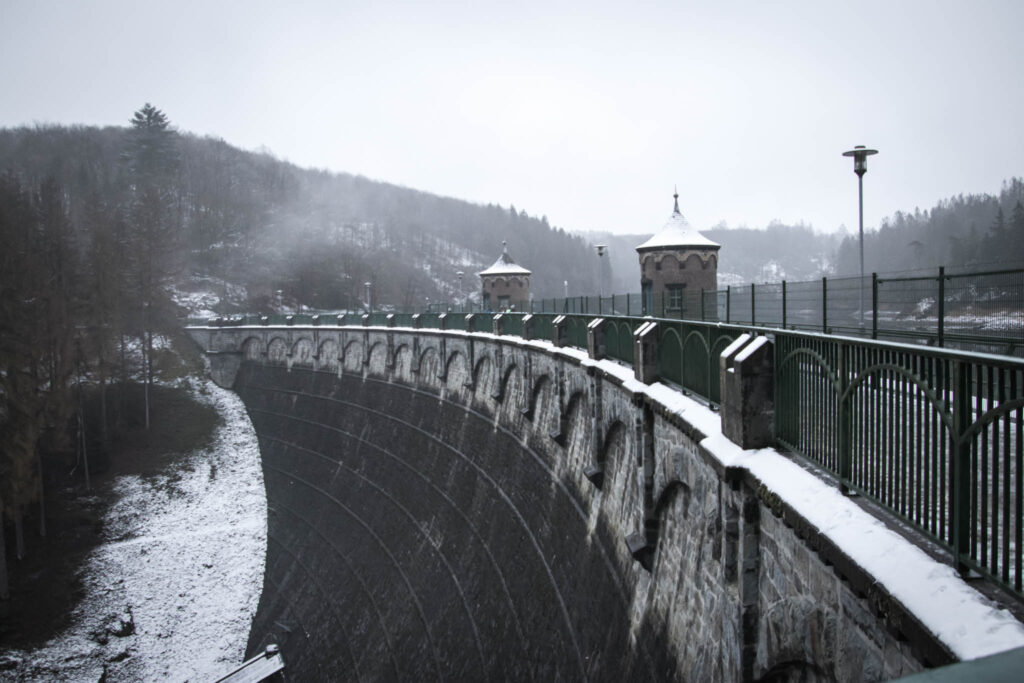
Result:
x=847 y=305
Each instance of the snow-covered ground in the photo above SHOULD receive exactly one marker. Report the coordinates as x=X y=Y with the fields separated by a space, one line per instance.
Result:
x=171 y=592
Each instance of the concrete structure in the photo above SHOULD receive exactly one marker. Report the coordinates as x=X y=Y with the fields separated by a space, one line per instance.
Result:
x=505 y=284
x=675 y=265
x=448 y=506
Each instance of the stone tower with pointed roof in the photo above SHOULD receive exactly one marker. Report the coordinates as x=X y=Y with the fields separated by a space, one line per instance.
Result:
x=675 y=265
x=505 y=284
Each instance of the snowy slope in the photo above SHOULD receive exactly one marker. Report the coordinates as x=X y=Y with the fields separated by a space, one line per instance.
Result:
x=171 y=593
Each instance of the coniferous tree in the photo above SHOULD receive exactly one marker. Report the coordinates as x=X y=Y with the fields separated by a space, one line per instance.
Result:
x=152 y=158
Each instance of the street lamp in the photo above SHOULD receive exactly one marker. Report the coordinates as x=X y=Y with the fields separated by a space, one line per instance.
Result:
x=601 y=248
x=860 y=166
x=459 y=274
x=369 y=304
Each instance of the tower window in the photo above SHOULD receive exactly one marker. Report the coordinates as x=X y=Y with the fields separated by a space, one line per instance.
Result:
x=674 y=297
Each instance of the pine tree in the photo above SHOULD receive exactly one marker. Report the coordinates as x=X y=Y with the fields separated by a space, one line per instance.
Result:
x=152 y=157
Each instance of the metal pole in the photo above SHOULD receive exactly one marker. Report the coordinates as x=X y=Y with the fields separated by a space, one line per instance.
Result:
x=942 y=306
x=874 y=305
x=860 y=204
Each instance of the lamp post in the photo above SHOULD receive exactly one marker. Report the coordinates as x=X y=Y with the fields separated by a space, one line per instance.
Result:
x=369 y=304
x=459 y=275
x=601 y=248
x=860 y=166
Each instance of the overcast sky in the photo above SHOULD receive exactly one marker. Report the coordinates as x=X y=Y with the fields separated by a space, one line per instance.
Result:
x=588 y=113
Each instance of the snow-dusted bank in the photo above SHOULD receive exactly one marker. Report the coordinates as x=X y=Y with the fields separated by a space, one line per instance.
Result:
x=171 y=592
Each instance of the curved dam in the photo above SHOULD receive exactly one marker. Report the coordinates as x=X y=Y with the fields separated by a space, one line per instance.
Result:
x=449 y=506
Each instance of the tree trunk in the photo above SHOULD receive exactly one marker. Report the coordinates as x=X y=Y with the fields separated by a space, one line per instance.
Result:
x=4 y=591
x=104 y=434
x=149 y=370
x=42 y=500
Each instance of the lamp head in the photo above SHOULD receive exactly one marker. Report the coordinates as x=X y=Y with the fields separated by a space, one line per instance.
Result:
x=860 y=156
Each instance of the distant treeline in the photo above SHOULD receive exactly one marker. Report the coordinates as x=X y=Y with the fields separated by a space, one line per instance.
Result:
x=965 y=232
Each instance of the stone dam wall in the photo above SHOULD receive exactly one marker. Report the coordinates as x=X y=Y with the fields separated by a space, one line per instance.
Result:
x=445 y=506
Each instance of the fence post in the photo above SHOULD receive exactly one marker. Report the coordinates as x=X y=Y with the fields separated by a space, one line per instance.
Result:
x=783 y=304
x=627 y=304
x=754 y=317
x=824 y=304
x=728 y=303
x=874 y=305
x=961 y=475
x=942 y=306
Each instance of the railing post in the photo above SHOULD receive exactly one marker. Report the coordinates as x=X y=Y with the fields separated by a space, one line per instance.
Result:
x=783 y=304
x=627 y=304
x=844 y=405
x=960 y=472
x=728 y=303
x=874 y=305
x=824 y=304
x=942 y=306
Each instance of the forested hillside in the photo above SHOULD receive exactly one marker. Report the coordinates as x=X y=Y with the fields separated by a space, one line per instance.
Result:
x=254 y=220
x=105 y=231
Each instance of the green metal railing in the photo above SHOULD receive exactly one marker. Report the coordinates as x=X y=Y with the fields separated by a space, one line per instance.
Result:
x=933 y=435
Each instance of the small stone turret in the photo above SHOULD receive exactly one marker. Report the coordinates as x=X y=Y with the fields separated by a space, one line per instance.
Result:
x=677 y=263
x=505 y=284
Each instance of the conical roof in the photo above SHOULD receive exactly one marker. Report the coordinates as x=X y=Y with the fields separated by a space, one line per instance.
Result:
x=505 y=265
x=677 y=233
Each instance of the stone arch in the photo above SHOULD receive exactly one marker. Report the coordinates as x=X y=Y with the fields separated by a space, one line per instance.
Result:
x=352 y=355
x=673 y=504
x=378 y=358
x=277 y=350
x=327 y=355
x=506 y=374
x=481 y=377
x=252 y=348
x=613 y=442
x=458 y=363
x=302 y=352
x=530 y=409
x=798 y=641
x=402 y=362
x=564 y=429
x=670 y=262
x=694 y=261
x=427 y=367
x=457 y=373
